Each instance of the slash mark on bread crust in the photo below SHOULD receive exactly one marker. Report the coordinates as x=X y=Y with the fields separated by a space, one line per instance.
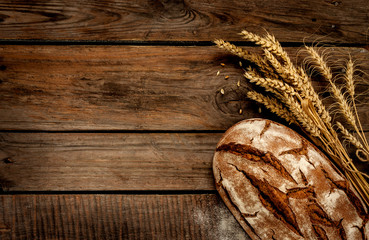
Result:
x=301 y=193
x=345 y=187
x=255 y=214
x=362 y=231
x=303 y=177
x=274 y=200
x=266 y=127
x=341 y=230
x=318 y=215
x=320 y=232
x=253 y=154
x=273 y=233
x=228 y=196
x=299 y=151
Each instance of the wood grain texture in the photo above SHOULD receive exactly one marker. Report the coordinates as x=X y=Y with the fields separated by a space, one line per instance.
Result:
x=108 y=161
x=129 y=88
x=99 y=161
x=117 y=217
x=329 y=20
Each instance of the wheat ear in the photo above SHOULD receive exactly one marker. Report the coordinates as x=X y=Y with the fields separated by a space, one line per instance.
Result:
x=354 y=141
x=273 y=105
x=347 y=135
x=271 y=85
x=349 y=76
x=252 y=57
x=343 y=105
x=238 y=51
x=350 y=87
x=269 y=42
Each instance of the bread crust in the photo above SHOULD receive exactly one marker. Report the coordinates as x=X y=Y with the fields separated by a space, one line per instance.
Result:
x=280 y=186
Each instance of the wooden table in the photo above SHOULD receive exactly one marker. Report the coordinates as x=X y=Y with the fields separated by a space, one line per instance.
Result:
x=110 y=111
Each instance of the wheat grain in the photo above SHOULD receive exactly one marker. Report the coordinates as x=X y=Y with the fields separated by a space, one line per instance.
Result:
x=266 y=69
x=252 y=57
x=278 y=50
x=299 y=79
x=232 y=48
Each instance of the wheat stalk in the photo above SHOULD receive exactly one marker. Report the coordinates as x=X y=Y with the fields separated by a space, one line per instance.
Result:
x=292 y=97
x=271 y=85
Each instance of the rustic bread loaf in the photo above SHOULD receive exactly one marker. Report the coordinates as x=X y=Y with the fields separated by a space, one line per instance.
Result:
x=279 y=186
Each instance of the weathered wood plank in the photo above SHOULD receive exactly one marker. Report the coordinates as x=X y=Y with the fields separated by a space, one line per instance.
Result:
x=88 y=161
x=117 y=216
x=102 y=161
x=345 y=21
x=128 y=88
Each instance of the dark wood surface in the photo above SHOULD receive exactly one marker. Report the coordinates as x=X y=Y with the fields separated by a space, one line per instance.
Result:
x=107 y=161
x=118 y=216
x=178 y=20
x=130 y=87
x=110 y=111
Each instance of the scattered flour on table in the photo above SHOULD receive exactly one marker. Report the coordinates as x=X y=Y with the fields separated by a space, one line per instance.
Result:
x=222 y=225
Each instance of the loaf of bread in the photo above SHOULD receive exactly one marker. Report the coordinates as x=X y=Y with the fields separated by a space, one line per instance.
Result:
x=280 y=186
